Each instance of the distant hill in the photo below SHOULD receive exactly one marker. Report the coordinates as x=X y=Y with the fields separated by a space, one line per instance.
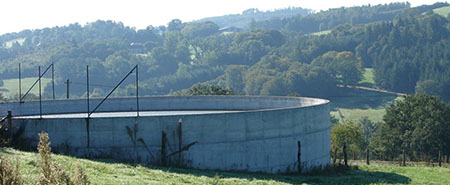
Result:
x=407 y=48
x=246 y=17
x=327 y=20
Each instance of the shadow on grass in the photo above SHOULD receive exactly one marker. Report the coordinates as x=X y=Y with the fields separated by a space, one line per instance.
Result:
x=339 y=176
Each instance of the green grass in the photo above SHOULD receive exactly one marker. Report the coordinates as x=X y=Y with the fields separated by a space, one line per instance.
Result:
x=368 y=78
x=112 y=172
x=10 y=87
x=356 y=114
x=357 y=103
x=9 y=44
x=325 y=32
x=443 y=11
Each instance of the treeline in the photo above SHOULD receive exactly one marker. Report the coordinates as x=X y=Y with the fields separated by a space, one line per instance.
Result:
x=416 y=126
x=409 y=53
x=327 y=20
x=251 y=15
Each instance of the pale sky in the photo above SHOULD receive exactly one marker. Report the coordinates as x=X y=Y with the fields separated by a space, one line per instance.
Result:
x=17 y=15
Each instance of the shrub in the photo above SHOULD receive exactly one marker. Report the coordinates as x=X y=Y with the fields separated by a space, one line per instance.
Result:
x=9 y=173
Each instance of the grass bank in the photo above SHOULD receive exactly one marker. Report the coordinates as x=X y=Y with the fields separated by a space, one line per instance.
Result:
x=112 y=172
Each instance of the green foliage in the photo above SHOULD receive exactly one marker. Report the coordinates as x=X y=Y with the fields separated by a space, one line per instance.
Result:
x=418 y=124
x=245 y=19
x=205 y=90
x=329 y=19
x=344 y=66
x=235 y=76
x=275 y=58
x=347 y=133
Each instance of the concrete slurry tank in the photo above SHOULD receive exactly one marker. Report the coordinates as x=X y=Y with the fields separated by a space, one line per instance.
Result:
x=242 y=133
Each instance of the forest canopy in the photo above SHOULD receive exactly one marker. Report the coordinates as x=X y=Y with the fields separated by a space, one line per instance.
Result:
x=408 y=49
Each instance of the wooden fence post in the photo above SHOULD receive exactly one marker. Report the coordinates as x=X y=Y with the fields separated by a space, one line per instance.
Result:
x=439 y=159
x=163 y=149
x=180 y=132
x=367 y=156
x=344 y=150
x=404 y=158
x=299 y=156
x=10 y=131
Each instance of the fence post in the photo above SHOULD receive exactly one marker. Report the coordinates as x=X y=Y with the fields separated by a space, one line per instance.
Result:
x=404 y=158
x=299 y=156
x=163 y=149
x=439 y=159
x=344 y=150
x=180 y=132
x=367 y=156
x=10 y=131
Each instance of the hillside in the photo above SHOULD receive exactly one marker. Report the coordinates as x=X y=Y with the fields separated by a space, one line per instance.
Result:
x=443 y=11
x=407 y=50
x=246 y=17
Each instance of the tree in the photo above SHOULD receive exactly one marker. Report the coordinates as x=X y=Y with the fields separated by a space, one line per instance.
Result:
x=419 y=124
x=347 y=133
x=204 y=90
x=429 y=87
x=175 y=25
x=234 y=77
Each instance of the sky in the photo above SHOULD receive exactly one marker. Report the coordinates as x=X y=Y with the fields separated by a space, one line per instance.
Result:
x=17 y=15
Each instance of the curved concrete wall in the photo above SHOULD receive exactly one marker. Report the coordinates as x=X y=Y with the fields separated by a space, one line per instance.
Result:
x=263 y=137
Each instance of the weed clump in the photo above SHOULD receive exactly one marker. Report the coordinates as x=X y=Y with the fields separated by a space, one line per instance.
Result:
x=52 y=173
x=9 y=172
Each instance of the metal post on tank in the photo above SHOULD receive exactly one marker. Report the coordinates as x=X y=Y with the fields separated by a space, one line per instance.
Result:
x=40 y=94
x=67 y=88
x=87 y=90
x=137 y=90
x=53 y=81
x=20 y=85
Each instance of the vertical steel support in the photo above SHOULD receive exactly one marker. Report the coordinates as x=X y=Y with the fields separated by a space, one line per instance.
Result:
x=53 y=81
x=87 y=89
x=68 y=88
x=20 y=85
x=40 y=94
x=137 y=91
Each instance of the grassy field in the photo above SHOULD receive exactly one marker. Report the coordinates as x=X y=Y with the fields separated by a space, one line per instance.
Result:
x=325 y=32
x=443 y=11
x=111 y=172
x=11 y=86
x=10 y=43
x=357 y=103
x=368 y=78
